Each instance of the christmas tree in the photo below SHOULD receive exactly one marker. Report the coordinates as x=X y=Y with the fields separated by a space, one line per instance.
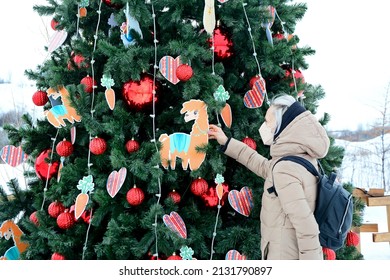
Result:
x=121 y=165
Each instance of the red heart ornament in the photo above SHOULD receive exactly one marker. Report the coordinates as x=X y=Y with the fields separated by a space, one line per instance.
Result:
x=168 y=66
x=115 y=181
x=254 y=97
x=175 y=223
x=234 y=255
x=13 y=155
x=241 y=201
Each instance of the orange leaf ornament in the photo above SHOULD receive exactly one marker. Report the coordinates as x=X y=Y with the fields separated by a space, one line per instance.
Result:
x=109 y=93
x=226 y=114
x=86 y=186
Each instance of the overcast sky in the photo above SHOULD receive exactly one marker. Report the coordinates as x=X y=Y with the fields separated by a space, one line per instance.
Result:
x=350 y=38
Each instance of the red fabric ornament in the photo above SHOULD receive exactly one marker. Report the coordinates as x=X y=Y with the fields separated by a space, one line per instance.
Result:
x=184 y=72
x=98 y=146
x=199 y=186
x=40 y=98
x=112 y=5
x=88 y=83
x=65 y=220
x=223 y=46
x=329 y=254
x=86 y=216
x=42 y=166
x=211 y=199
x=174 y=257
x=64 y=148
x=175 y=196
x=139 y=94
x=250 y=142
x=132 y=146
x=53 y=24
x=55 y=209
x=33 y=218
x=57 y=256
x=353 y=239
x=135 y=196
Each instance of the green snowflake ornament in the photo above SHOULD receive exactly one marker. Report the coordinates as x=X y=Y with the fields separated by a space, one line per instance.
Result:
x=107 y=81
x=86 y=184
x=219 y=179
x=221 y=94
x=84 y=3
x=186 y=253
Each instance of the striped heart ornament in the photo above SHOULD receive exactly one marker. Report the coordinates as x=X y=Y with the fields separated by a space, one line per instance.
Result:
x=175 y=223
x=115 y=181
x=241 y=201
x=168 y=66
x=13 y=155
x=234 y=255
x=254 y=97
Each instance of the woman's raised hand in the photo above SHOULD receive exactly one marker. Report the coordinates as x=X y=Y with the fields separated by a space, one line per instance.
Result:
x=215 y=132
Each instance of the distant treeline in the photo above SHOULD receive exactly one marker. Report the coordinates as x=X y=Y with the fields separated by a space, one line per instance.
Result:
x=359 y=135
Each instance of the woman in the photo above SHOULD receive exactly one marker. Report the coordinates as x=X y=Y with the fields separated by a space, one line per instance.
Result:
x=289 y=230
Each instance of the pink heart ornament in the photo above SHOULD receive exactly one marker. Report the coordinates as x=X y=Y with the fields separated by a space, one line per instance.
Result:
x=56 y=40
x=254 y=97
x=13 y=155
x=234 y=255
x=168 y=66
x=241 y=201
x=115 y=181
x=175 y=223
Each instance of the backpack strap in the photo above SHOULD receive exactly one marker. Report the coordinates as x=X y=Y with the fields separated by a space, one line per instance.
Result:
x=299 y=160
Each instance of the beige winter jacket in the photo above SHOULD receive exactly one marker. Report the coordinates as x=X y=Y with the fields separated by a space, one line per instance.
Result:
x=288 y=227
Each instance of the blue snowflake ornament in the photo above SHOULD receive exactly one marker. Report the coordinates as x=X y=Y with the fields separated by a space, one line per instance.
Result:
x=221 y=94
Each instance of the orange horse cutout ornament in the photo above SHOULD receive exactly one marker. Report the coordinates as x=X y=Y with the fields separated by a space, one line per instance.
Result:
x=182 y=145
x=62 y=109
x=9 y=229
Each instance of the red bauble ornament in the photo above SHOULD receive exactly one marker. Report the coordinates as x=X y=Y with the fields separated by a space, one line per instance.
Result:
x=329 y=254
x=135 y=196
x=40 y=98
x=86 y=216
x=98 y=146
x=211 y=199
x=174 y=257
x=78 y=60
x=139 y=94
x=57 y=256
x=132 y=146
x=250 y=142
x=88 y=83
x=112 y=5
x=184 y=72
x=199 y=186
x=64 y=148
x=33 y=218
x=53 y=24
x=55 y=209
x=278 y=36
x=175 y=196
x=353 y=239
x=65 y=220
x=42 y=166
x=223 y=46
x=253 y=80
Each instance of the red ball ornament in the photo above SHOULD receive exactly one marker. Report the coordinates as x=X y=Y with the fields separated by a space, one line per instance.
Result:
x=175 y=196
x=86 y=216
x=135 y=196
x=199 y=186
x=55 y=209
x=78 y=60
x=353 y=239
x=53 y=24
x=88 y=83
x=250 y=142
x=174 y=257
x=139 y=94
x=253 y=80
x=132 y=146
x=57 y=256
x=278 y=36
x=64 y=148
x=112 y=5
x=65 y=220
x=223 y=46
x=43 y=169
x=98 y=146
x=329 y=254
x=33 y=218
x=184 y=72
x=40 y=98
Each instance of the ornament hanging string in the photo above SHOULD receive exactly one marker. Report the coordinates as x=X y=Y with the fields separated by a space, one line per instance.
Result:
x=153 y=116
x=253 y=45
x=219 y=190
x=48 y=170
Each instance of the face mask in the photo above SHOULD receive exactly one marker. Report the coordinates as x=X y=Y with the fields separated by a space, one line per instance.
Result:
x=266 y=134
